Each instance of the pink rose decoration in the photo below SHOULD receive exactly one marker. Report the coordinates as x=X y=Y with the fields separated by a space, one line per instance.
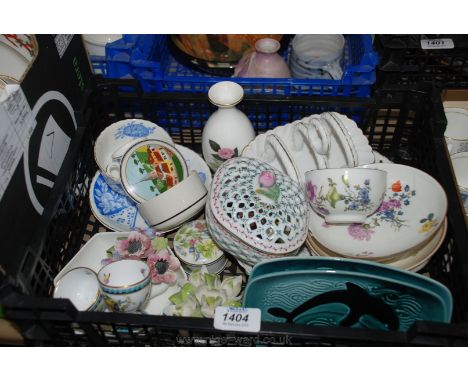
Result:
x=137 y=244
x=267 y=179
x=163 y=267
x=200 y=226
x=226 y=153
x=360 y=232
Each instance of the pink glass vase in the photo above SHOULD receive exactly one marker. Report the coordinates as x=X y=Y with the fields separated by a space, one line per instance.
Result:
x=264 y=62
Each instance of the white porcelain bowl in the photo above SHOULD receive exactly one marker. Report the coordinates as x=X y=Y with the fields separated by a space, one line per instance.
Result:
x=80 y=285
x=346 y=195
x=95 y=44
x=177 y=205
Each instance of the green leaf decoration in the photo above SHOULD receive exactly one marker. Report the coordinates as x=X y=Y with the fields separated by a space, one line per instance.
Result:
x=430 y=216
x=345 y=180
x=141 y=170
x=333 y=196
x=423 y=220
x=210 y=280
x=160 y=243
x=272 y=193
x=234 y=304
x=236 y=152
x=217 y=157
x=214 y=146
x=110 y=251
x=135 y=161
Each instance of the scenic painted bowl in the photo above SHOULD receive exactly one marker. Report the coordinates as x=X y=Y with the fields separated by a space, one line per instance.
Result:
x=150 y=168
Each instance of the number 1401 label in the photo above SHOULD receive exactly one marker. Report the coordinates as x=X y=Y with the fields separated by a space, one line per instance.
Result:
x=437 y=43
x=238 y=319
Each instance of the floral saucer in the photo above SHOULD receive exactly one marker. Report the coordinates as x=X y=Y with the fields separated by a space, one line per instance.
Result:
x=414 y=207
x=412 y=260
x=118 y=212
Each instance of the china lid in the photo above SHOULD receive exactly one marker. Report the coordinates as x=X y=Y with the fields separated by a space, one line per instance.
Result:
x=150 y=168
x=260 y=205
x=194 y=245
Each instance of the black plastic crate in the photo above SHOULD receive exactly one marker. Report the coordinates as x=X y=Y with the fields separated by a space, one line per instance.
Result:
x=405 y=125
x=404 y=62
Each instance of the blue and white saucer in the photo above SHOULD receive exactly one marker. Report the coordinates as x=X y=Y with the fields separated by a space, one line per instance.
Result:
x=118 y=212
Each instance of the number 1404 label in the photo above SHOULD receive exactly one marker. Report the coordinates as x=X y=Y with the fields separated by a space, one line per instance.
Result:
x=238 y=319
x=437 y=43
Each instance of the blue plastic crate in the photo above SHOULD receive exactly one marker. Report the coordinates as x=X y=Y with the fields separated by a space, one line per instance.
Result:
x=147 y=58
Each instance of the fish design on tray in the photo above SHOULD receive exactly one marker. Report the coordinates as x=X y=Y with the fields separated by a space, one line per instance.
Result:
x=358 y=301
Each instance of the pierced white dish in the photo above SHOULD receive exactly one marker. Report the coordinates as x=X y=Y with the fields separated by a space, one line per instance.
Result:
x=412 y=260
x=117 y=212
x=94 y=251
x=414 y=207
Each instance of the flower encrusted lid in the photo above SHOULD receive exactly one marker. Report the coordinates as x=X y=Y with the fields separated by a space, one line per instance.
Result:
x=194 y=245
x=260 y=205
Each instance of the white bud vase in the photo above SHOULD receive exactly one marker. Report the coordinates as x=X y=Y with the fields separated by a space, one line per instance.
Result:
x=228 y=130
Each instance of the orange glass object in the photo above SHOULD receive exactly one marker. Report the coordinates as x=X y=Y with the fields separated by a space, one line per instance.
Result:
x=218 y=47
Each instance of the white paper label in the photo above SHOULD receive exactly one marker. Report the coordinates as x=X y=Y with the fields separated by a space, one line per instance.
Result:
x=16 y=126
x=61 y=42
x=437 y=43
x=237 y=319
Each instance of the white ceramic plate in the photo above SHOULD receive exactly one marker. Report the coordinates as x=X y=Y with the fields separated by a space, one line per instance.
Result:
x=304 y=252
x=91 y=254
x=119 y=213
x=414 y=207
x=457 y=123
x=413 y=260
x=460 y=167
x=305 y=158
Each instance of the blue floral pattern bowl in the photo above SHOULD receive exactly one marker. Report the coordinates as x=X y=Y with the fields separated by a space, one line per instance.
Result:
x=345 y=195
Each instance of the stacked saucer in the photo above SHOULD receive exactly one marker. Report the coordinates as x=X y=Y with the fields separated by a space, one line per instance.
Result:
x=405 y=231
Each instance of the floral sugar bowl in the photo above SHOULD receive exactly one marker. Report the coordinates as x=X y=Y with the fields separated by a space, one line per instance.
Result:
x=194 y=247
x=228 y=130
x=255 y=212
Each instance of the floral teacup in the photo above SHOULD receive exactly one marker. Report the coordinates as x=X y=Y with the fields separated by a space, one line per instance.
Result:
x=126 y=285
x=345 y=195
